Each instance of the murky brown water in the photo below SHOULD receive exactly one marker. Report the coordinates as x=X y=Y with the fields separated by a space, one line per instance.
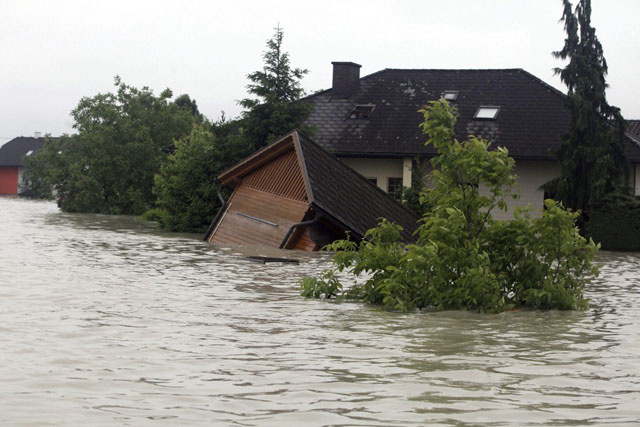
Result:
x=106 y=321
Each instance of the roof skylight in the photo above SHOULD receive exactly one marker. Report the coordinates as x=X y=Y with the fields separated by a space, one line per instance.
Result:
x=450 y=95
x=30 y=152
x=487 y=112
x=361 y=111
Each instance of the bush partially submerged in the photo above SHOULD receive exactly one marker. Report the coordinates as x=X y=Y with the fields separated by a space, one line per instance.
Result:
x=464 y=259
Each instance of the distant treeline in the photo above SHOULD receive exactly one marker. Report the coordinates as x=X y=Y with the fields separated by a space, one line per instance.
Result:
x=139 y=153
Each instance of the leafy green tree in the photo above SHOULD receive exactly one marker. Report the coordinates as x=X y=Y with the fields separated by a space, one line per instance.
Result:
x=276 y=108
x=592 y=154
x=41 y=169
x=464 y=259
x=186 y=187
x=185 y=101
x=109 y=165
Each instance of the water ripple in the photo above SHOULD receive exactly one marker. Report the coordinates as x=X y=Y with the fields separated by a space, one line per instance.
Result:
x=107 y=320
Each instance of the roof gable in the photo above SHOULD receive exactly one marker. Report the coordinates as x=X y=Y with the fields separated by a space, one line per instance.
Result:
x=282 y=176
x=261 y=157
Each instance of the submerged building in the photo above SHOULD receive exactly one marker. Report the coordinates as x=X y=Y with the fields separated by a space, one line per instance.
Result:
x=293 y=194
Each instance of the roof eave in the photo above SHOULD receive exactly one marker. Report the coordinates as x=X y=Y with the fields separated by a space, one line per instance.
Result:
x=257 y=159
x=303 y=165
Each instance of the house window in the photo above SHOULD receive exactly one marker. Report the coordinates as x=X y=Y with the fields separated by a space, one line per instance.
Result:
x=374 y=181
x=361 y=111
x=450 y=95
x=394 y=188
x=487 y=112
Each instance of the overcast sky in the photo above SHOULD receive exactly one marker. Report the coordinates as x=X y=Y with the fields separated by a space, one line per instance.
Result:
x=52 y=53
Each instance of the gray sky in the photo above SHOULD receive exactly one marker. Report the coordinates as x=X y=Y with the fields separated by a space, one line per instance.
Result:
x=52 y=53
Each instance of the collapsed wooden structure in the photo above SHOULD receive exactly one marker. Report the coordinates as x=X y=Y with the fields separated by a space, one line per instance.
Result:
x=293 y=194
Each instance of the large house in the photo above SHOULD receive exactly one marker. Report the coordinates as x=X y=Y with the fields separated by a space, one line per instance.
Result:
x=11 y=165
x=371 y=123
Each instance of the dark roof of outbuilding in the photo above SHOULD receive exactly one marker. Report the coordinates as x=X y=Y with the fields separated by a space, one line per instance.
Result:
x=347 y=196
x=12 y=152
x=530 y=123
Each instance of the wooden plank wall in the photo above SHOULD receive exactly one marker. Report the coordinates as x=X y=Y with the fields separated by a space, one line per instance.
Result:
x=281 y=176
x=239 y=230
x=303 y=242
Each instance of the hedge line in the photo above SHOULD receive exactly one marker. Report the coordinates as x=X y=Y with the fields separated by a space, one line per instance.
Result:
x=615 y=222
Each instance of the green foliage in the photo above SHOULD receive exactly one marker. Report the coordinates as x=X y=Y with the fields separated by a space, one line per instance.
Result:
x=43 y=169
x=184 y=101
x=463 y=258
x=411 y=195
x=186 y=187
x=614 y=222
x=543 y=262
x=592 y=154
x=109 y=165
x=276 y=109
x=326 y=287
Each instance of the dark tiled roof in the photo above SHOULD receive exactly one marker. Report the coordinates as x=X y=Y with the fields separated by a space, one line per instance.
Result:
x=633 y=127
x=531 y=121
x=12 y=152
x=347 y=196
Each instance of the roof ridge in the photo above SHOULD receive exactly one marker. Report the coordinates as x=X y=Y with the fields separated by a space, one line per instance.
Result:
x=543 y=83
x=452 y=69
x=461 y=70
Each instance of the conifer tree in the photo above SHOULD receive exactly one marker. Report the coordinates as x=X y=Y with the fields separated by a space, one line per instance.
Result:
x=277 y=109
x=592 y=154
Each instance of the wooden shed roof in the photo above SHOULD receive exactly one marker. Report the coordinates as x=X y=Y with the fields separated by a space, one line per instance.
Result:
x=333 y=189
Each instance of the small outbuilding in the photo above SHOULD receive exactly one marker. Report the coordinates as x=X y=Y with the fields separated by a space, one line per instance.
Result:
x=293 y=194
x=11 y=165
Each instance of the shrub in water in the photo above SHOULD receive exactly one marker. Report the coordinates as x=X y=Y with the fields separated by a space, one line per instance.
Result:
x=463 y=258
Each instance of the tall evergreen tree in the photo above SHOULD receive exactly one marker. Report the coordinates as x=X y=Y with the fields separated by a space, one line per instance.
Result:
x=277 y=108
x=592 y=154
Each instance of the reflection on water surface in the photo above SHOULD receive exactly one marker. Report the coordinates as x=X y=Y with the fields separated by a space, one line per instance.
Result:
x=106 y=321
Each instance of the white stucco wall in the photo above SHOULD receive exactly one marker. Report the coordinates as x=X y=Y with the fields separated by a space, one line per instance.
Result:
x=20 y=180
x=381 y=169
x=407 y=170
x=531 y=175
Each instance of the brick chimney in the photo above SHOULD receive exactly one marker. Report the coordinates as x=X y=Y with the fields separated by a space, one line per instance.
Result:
x=346 y=79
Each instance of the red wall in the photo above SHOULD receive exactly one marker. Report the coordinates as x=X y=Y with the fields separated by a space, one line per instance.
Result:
x=9 y=180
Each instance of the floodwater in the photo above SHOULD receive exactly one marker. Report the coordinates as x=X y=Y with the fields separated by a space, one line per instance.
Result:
x=107 y=321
